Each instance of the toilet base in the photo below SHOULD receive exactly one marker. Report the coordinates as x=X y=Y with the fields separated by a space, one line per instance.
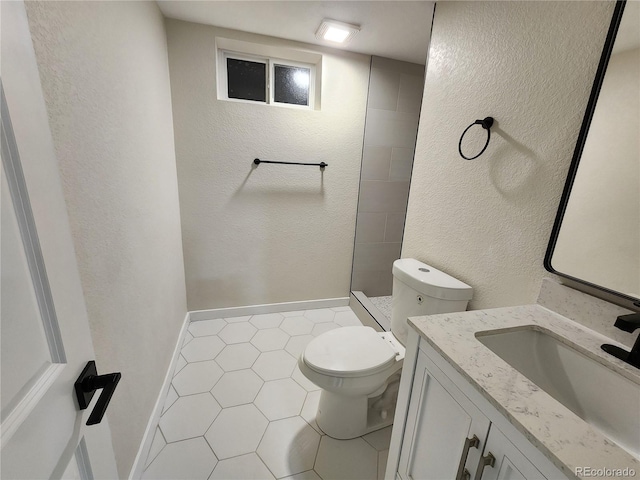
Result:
x=344 y=417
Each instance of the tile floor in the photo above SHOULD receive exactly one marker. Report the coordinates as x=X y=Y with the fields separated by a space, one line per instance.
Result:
x=384 y=304
x=239 y=408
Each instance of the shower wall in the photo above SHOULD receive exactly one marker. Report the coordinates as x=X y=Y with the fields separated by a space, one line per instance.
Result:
x=393 y=108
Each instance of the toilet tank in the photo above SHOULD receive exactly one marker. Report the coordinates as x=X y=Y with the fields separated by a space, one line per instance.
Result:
x=419 y=289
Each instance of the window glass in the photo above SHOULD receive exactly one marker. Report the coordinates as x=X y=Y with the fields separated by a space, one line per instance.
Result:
x=291 y=84
x=246 y=80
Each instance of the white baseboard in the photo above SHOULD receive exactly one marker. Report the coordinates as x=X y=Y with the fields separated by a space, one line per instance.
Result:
x=147 y=438
x=268 y=308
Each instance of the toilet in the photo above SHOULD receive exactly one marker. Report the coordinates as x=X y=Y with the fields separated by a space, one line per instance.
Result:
x=358 y=369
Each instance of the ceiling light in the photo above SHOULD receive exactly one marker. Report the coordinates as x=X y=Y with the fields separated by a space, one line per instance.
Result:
x=337 y=32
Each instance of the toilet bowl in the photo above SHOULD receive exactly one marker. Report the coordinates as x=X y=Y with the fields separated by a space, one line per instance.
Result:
x=358 y=369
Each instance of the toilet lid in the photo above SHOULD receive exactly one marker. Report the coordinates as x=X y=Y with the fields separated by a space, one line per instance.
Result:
x=349 y=351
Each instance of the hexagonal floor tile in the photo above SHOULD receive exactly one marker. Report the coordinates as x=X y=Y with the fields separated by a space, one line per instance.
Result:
x=346 y=459
x=188 y=459
x=244 y=467
x=274 y=365
x=303 y=381
x=280 y=399
x=237 y=357
x=189 y=417
x=237 y=333
x=380 y=439
x=308 y=475
x=180 y=364
x=345 y=308
x=270 y=339
x=202 y=348
x=237 y=388
x=296 y=345
x=156 y=447
x=203 y=328
x=382 y=463
x=310 y=410
x=320 y=315
x=170 y=399
x=198 y=377
x=297 y=325
x=236 y=431
x=321 y=328
x=289 y=446
x=267 y=320
x=347 y=319
x=244 y=318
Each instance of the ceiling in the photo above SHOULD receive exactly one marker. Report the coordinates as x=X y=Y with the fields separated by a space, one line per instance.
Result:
x=393 y=29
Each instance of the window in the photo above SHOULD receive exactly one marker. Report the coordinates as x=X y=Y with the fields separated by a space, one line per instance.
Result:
x=256 y=75
x=246 y=80
x=291 y=84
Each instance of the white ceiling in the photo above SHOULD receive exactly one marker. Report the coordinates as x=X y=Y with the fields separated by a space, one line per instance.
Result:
x=393 y=29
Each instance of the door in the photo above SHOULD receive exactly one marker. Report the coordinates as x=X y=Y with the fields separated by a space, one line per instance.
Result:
x=444 y=432
x=46 y=341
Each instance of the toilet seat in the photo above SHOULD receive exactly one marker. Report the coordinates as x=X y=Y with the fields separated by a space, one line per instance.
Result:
x=349 y=352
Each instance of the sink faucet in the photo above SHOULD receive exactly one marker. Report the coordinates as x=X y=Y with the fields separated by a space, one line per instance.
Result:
x=628 y=323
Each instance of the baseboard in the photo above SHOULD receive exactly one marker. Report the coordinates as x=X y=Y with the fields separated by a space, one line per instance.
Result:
x=268 y=308
x=147 y=438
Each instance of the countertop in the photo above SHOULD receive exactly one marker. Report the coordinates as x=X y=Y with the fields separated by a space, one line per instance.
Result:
x=563 y=437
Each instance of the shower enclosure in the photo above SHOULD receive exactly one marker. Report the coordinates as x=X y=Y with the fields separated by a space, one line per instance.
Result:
x=393 y=109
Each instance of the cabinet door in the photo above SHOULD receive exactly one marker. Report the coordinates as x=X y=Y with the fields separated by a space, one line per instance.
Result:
x=440 y=419
x=509 y=463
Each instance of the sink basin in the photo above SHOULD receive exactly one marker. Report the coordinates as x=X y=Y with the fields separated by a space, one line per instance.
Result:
x=599 y=395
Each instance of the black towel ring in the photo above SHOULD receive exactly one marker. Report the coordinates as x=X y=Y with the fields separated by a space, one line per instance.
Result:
x=486 y=123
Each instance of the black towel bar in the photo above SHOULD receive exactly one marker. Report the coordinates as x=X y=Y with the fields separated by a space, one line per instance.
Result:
x=257 y=161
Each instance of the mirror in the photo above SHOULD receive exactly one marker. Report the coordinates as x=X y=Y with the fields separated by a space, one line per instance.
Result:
x=596 y=235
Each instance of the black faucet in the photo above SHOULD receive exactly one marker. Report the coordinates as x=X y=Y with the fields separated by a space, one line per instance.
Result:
x=628 y=323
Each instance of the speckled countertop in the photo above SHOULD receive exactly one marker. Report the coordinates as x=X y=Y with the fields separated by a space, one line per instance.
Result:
x=563 y=437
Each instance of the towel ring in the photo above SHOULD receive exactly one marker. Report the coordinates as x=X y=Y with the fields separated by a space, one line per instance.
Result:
x=486 y=123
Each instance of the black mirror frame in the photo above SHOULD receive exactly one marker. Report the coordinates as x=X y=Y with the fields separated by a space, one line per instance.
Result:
x=573 y=168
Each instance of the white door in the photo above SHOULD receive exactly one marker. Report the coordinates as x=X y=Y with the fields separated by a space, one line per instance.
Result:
x=45 y=341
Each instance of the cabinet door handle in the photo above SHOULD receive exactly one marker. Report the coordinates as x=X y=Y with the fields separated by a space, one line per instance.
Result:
x=468 y=443
x=489 y=460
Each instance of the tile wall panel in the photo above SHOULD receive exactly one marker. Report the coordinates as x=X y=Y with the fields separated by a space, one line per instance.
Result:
x=393 y=107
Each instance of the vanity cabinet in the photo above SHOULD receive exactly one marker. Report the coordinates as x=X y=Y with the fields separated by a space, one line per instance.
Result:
x=444 y=429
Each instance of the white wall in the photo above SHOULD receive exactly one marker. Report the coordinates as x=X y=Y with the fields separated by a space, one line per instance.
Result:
x=530 y=65
x=275 y=233
x=600 y=236
x=105 y=77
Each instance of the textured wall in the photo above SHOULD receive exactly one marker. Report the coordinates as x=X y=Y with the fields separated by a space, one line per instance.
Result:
x=530 y=65
x=105 y=77
x=274 y=233
x=602 y=221
x=393 y=108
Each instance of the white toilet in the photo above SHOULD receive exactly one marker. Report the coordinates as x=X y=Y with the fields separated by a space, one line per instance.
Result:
x=358 y=368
